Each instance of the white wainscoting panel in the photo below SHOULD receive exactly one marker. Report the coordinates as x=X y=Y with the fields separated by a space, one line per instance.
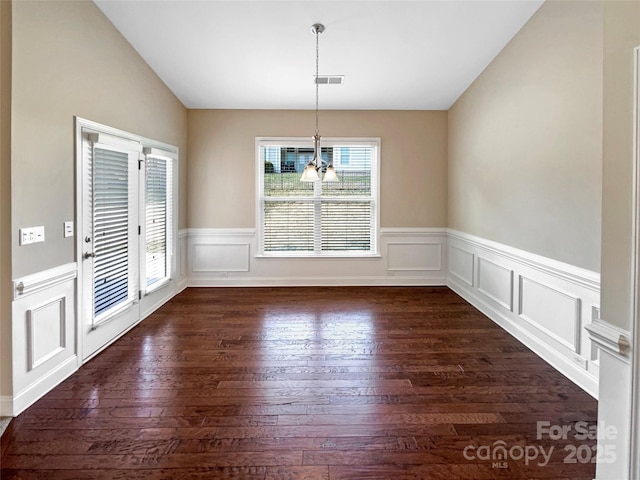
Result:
x=414 y=257
x=220 y=257
x=461 y=264
x=44 y=333
x=551 y=311
x=230 y=257
x=496 y=282
x=46 y=325
x=547 y=308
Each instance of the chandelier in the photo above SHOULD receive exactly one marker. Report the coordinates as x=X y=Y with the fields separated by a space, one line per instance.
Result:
x=313 y=169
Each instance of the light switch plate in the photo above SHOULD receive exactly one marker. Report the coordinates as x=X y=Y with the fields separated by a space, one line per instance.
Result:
x=68 y=229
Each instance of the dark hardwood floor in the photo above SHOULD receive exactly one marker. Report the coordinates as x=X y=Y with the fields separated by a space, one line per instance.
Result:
x=300 y=383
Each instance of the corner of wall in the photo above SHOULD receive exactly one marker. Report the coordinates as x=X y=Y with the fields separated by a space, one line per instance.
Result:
x=5 y=206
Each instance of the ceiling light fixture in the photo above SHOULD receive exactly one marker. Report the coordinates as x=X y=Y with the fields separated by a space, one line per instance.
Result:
x=311 y=172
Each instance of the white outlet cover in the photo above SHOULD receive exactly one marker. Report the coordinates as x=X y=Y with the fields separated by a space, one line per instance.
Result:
x=31 y=235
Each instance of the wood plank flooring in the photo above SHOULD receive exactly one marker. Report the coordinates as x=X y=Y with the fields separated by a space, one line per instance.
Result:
x=307 y=383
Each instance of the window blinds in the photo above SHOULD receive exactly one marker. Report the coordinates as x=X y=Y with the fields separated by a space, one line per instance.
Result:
x=157 y=220
x=111 y=229
x=346 y=226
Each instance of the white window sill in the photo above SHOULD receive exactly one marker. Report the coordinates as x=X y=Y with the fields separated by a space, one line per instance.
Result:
x=307 y=256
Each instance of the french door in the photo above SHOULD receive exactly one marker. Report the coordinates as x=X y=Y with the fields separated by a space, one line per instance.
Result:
x=109 y=253
x=126 y=197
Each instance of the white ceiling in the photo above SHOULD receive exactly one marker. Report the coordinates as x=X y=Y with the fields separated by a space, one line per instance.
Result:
x=395 y=54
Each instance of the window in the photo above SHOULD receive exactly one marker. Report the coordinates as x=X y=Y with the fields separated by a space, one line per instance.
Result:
x=158 y=174
x=318 y=218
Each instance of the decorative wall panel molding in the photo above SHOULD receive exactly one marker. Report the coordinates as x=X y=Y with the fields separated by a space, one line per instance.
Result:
x=462 y=264
x=46 y=325
x=228 y=257
x=548 y=308
x=554 y=268
x=551 y=311
x=414 y=256
x=44 y=350
x=496 y=282
x=220 y=257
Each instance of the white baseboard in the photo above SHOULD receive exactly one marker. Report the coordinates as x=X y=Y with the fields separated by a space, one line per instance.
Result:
x=158 y=298
x=27 y=397
x=317 y=281
x=545 y=304
x=183 y=284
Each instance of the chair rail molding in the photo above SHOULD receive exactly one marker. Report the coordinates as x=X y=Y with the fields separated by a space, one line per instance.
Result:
x=614 y=340
x=581 y=276
x=36 y=282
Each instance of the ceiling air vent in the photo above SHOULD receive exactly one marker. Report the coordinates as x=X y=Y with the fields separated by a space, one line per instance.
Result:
x=329 y=79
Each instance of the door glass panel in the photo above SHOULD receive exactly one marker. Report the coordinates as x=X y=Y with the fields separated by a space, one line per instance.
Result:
x=157 y=220
x=111 y=230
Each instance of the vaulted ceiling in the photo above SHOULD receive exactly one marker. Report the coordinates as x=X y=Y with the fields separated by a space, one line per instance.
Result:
x=395 y=54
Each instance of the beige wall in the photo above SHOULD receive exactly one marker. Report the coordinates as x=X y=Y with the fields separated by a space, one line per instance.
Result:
x=5 y=198
x=222 y=161
x=68 y=59
x=525 y=140
x=621 y=35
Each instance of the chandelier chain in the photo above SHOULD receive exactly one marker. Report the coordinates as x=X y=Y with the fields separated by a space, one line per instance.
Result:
x=316 y=79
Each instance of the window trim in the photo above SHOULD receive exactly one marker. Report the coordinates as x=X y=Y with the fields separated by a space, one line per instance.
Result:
x=303 y=142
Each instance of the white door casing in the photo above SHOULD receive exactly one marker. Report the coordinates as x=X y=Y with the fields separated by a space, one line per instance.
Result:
x=634 y=461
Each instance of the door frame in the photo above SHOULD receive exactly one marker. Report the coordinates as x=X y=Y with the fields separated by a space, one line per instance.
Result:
x=634 y=414
x=156 y=298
